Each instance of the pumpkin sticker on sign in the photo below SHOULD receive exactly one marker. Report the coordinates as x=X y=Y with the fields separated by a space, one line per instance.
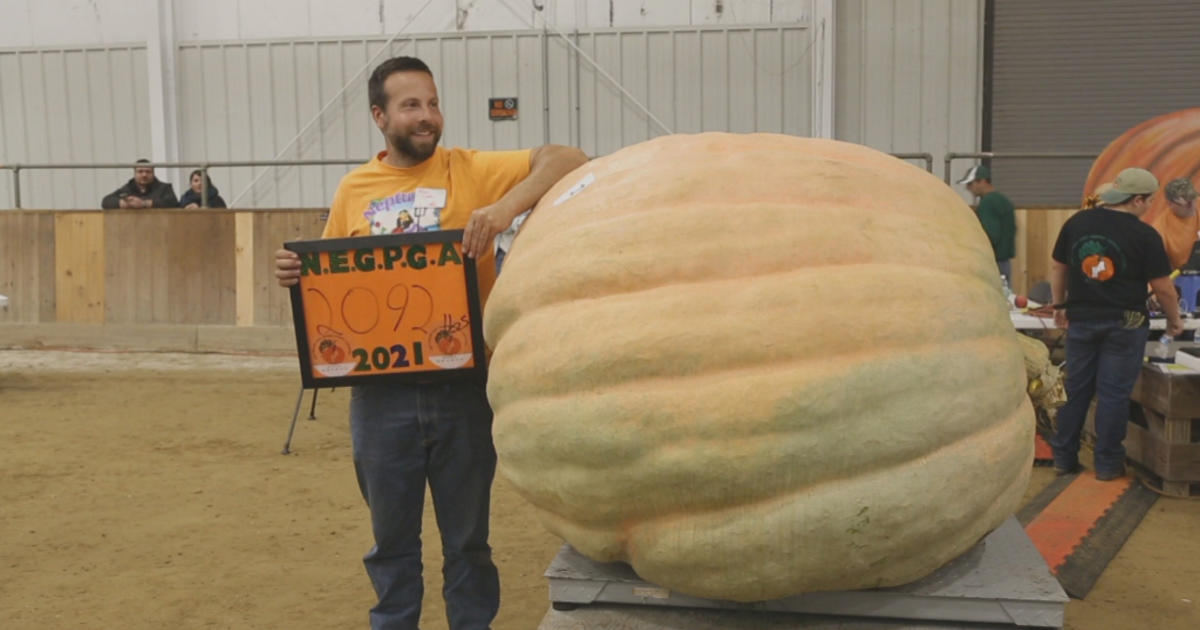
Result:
x=389 y=307
x=824 y=393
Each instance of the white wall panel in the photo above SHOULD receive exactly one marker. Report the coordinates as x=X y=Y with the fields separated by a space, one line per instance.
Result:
x=71 y=23
x=75 y=22
x=739 y=79
x=494 y=15
x=660 y=85
x=907 y=75
x=899 y=61
x=212 y=19
x=562 y=101
x=71 y=105
x=746 y=12
x=687 y=112
x=797 y=82
x=415 y=16
x=656 y=13
x=259 y=100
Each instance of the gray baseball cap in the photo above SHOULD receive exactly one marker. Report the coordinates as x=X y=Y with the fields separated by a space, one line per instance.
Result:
x=1130 y=182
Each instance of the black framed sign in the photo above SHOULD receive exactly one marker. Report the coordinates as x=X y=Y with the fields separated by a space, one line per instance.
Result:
x=394 y=307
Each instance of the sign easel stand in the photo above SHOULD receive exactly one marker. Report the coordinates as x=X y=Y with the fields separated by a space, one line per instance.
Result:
x=312 y=415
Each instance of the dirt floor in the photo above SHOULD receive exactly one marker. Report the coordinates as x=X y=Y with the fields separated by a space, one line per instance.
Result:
x=148 y=491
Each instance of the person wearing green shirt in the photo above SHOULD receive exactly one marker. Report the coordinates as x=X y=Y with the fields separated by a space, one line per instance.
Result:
x=996 y=214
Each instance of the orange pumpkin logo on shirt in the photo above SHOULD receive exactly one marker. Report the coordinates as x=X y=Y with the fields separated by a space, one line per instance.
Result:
x=1096 y=259
x=1097 y=267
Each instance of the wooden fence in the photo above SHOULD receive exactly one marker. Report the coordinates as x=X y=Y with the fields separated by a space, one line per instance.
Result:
x=203 y=280
x=148 y=279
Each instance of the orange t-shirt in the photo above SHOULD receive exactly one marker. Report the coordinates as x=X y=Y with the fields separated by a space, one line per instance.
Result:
x=1178 y=235
x=437 y=194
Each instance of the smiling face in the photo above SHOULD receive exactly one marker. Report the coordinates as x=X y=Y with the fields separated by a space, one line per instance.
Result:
x=411 y=120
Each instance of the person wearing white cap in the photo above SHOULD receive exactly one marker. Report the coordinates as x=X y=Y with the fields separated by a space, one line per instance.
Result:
x=1103 y=259
x=996 y=215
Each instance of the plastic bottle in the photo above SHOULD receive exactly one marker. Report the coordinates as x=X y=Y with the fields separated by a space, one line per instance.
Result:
x=1162 y=350
x=1008 y=293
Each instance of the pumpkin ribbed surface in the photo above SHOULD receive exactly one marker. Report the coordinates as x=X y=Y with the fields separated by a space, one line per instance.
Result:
x=1165 y=145
x=758 y=365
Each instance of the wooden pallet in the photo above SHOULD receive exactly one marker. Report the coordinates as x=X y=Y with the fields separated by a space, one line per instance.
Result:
x=1163 y=434
x=1183 y=489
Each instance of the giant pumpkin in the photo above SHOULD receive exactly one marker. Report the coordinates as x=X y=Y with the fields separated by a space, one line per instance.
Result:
x=758 y=365
x=1167 y=145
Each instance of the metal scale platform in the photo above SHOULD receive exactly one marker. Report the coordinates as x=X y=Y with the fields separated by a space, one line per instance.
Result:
x=1001 y=582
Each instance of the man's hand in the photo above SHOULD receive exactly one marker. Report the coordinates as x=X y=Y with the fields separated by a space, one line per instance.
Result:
x=547 y=164
x=1060 y=318
x=482 y=228
x=1174 y=326
x=287 y=267
x=191 y=205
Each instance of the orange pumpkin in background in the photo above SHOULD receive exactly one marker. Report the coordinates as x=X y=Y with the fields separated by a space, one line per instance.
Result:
x=1168 y=146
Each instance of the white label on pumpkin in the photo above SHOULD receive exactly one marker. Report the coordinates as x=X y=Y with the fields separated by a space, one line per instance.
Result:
x=651 y=592
x=576 y=189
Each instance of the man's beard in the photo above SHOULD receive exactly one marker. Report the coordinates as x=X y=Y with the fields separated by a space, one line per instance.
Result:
x=405 y=145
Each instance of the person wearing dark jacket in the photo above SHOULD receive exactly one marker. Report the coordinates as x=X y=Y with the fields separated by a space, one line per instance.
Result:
x=143 y=191
x=191 y=198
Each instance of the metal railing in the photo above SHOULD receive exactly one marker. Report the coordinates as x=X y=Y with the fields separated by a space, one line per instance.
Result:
x=925 y=157
x=987 y=155
x=202 y=166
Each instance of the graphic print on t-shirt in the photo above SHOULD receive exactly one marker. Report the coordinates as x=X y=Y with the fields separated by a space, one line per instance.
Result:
x=1098 y=257
x=399 y=214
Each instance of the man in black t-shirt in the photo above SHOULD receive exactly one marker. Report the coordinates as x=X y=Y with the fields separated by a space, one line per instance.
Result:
x=1103 y=258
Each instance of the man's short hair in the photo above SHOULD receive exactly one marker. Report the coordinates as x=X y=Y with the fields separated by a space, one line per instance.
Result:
x=375 y=93
x=142 y=161
x=1180 y=190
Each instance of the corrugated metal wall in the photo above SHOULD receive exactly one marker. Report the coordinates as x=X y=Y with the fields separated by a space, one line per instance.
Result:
x=908 y=75
x=248 y=100
x=1059 y=87
x=906 y=80
x=71 y=105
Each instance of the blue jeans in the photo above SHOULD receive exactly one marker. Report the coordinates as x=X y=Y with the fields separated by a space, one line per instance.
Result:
x=1005 y=267
x=403 y=436
x=1103 y=359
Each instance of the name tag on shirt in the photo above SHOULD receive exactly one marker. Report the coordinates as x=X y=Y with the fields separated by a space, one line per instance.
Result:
x=430 y=198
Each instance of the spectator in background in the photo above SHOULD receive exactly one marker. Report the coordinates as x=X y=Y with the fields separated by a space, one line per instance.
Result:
x=143 y=191
x=996 y=214
x=1178 y=227
x=191 y=198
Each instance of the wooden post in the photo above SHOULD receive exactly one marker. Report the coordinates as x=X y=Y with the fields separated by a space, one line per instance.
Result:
x=244 y=267
x=79 y=267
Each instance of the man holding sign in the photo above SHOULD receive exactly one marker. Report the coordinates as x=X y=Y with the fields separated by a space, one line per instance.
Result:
x=405 y=435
